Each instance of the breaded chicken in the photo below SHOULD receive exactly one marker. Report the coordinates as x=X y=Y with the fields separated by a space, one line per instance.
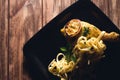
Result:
x=75 y=27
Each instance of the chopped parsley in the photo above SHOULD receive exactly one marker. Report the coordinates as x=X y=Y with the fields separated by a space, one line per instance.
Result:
x=86 y=31
x=68 y=53
x=63 y=49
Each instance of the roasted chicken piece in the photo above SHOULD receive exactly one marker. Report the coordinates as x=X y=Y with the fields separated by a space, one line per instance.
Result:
x=76 y=28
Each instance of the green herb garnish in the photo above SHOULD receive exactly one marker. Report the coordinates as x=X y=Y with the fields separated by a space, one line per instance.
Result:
x=68 y=52
x=63 y=49
x=86 y=31
x=73 y=58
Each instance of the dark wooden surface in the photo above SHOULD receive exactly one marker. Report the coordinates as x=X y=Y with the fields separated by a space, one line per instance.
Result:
x=21 y=19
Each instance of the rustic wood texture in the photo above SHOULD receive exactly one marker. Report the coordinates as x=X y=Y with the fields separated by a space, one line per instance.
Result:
x=111 y=8
x=26 y=18
x=21 y=19
x=3 y=39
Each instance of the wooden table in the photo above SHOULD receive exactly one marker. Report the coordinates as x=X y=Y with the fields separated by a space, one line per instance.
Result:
x=21 y=19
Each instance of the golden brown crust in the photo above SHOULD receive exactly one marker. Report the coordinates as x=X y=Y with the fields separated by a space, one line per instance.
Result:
x=93 y=31
x=111 y=36
x=76 y=28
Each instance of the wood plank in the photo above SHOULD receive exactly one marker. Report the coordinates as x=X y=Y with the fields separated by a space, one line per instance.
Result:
x=53 y=8
x=26 y=18
x=111 y=8
x=3 y=39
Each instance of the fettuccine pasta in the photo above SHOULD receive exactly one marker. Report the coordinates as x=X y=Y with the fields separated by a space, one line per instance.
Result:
x=90 y=46
x=88 y=40
x=61 y=67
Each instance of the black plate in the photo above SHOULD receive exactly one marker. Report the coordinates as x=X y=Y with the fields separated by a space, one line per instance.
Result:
x=44 y=45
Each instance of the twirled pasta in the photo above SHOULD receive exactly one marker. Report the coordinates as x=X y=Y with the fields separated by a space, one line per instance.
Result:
x=90 y=46
x=61 y=67
x=88 y=40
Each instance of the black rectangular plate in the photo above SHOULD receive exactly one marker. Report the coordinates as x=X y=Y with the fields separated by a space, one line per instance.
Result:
x=44 y=45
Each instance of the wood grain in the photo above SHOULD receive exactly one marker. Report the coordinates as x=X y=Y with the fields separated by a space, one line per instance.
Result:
x=3 y=39
x=111 y=8
x=21 y=19
x=26 y=18
x=24 y=22
x=53 y=8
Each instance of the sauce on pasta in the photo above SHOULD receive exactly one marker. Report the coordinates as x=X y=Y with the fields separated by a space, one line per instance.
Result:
x=89 y=40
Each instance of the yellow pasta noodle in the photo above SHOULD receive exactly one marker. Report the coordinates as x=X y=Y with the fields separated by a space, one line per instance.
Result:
x=88 y=40
x=61 y=67
x=90 y=46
